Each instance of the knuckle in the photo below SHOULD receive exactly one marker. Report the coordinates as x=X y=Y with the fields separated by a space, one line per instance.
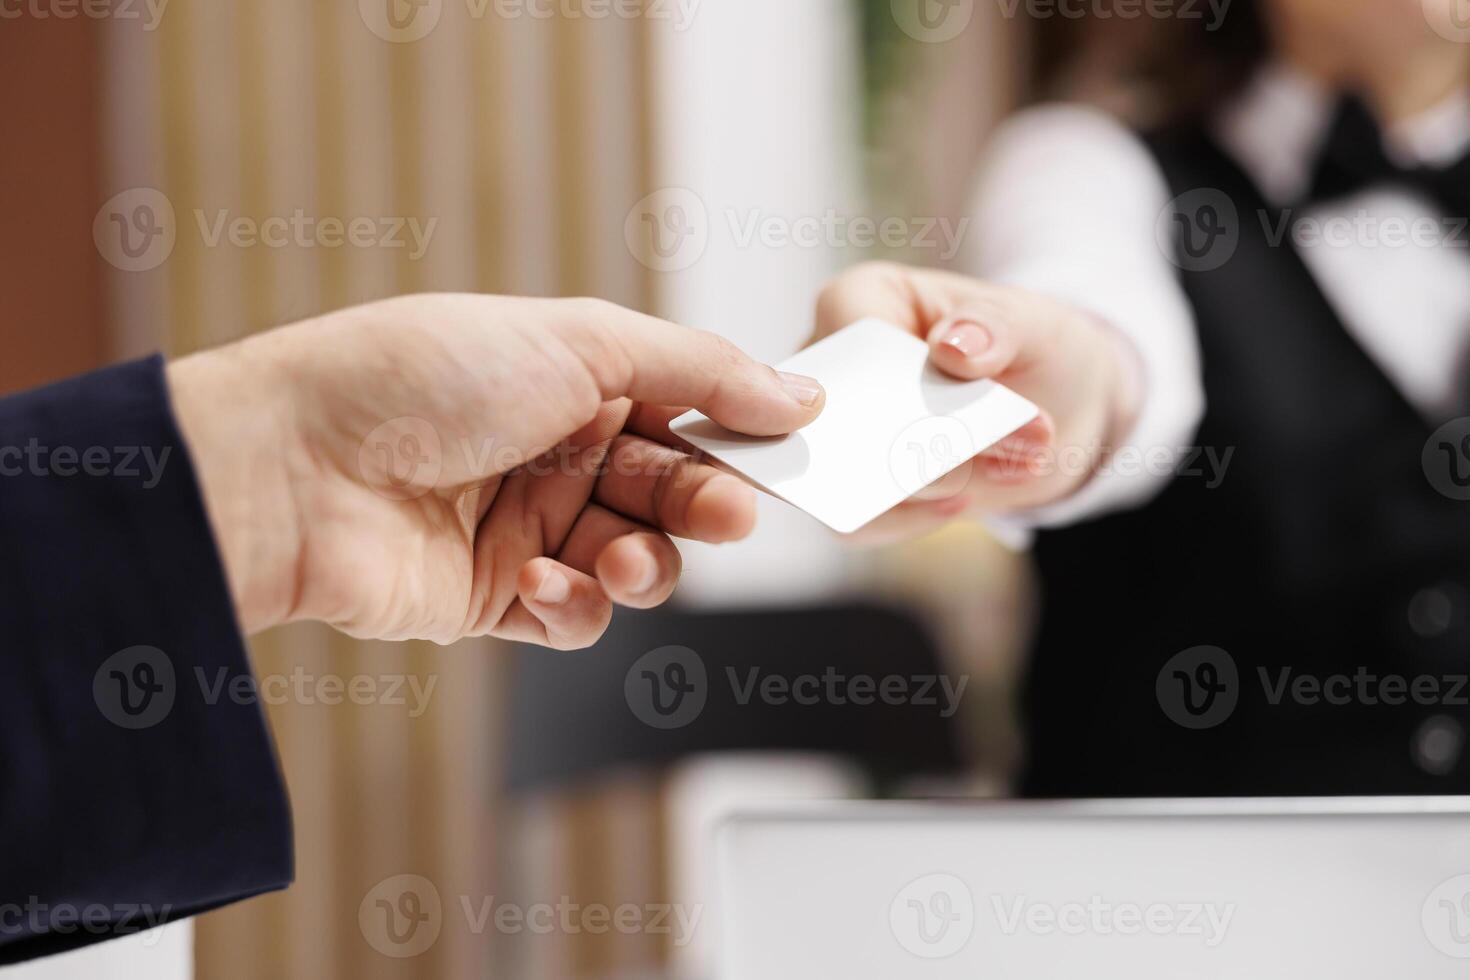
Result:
x=727 y=361
x=585 y=321
x=667 y=480
x=588 y=329
x=594 y=309
x=727 y=354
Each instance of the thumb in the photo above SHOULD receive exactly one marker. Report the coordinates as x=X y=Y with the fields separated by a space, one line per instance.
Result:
x=970 y=345
x=651 y=360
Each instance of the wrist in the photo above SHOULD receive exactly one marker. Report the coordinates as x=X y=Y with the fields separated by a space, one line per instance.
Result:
x=239 y=436
x=1125 y=392
x=1110 y=387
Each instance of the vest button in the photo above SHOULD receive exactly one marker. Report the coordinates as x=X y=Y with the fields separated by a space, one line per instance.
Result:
x=1437 y=745
x=1432 y=611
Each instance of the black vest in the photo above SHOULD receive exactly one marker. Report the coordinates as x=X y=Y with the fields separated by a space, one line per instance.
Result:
x=1326 y=578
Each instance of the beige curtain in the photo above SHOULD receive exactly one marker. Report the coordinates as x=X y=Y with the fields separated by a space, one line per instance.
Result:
x=524 y=140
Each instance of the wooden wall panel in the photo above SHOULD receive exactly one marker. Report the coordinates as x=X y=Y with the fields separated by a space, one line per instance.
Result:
x=49 y=269
x=527 y=164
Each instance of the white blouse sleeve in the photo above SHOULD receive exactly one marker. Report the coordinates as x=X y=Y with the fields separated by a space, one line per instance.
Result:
x=1066 y=203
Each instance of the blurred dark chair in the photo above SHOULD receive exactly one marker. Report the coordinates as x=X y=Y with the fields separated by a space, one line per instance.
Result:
x=663 y=685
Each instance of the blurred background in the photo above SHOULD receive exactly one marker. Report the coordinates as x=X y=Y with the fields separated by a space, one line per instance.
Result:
x=181 y=173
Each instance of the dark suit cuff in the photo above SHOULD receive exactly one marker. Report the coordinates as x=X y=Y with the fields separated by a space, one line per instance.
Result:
x=138 y=780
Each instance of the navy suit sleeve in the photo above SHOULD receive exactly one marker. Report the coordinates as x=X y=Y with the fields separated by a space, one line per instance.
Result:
x=138 y=780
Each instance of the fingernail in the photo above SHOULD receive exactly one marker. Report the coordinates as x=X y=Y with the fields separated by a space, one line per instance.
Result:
x=647 y=575
x=554 y=589
x=970 y=339
x=805 y=390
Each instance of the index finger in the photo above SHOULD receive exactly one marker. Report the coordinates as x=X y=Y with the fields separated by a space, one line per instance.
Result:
x=967 y=323
x=885 y=290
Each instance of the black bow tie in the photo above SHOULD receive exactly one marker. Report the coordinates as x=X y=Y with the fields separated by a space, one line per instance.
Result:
x=1353 y=158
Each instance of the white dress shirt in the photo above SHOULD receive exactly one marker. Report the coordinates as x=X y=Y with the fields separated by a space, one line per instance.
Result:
x=1067 y=202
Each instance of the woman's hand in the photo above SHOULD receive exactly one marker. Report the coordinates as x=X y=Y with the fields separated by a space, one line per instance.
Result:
x=443 y=466
x=1072 y=366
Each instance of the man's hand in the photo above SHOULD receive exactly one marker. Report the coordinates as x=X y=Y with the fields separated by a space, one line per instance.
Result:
x=1068 y=363
x=444 y=466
